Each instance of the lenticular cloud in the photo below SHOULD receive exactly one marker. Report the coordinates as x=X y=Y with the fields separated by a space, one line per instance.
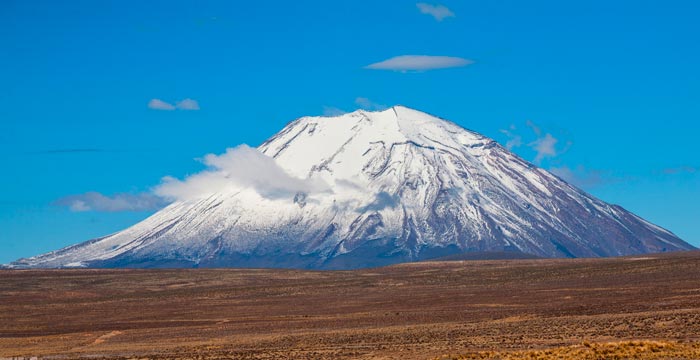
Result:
x=419 y=63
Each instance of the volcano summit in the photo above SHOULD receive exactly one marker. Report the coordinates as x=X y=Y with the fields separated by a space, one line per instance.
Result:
x=367 y=189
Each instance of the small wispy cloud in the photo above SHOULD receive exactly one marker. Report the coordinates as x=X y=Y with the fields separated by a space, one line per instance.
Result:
x=367 y=104
x=95 y=201
x=333 y=111
x=406 y=63
x=362 y=102
x=158 y=104
x=547 y=146
x=580 y=176
x=437 y=11
x=186 y=104
x=514 y=140
x=544 y=145
x=536 y=129
x=682 y=170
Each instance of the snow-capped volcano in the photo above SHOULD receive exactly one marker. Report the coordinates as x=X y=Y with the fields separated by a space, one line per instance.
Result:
x=367 y=189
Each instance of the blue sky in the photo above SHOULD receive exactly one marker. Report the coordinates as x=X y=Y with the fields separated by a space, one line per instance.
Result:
x=606 y=94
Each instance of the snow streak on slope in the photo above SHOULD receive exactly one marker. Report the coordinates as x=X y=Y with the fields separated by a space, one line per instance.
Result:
x=402 y=185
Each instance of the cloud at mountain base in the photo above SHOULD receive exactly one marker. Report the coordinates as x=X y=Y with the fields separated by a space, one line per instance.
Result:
x=237 y=168
x=95 y=201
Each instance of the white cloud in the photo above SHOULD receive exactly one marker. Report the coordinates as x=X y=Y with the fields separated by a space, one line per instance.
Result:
x=514 y=140
x=94 y=201
x=79 y=206
x=545 y=147
x=239 y=167
x=187 y=104
x=536 y=129
x=158 y=104
x=581 y=177
x=419 y=63
x=368 y=104
x=439 y=12
x=362 y=102
x=333 y=111
x=682 y=170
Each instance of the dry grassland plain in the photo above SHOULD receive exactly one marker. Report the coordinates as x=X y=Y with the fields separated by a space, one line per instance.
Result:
x=646 y=307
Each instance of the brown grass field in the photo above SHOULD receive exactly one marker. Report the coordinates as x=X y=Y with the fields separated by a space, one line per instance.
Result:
x=645 y=307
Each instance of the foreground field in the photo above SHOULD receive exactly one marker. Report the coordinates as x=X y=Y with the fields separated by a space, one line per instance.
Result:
x=461 y=309
x=642 y=350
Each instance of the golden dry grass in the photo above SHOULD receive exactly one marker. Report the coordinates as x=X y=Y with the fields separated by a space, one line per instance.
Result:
x=641 y=349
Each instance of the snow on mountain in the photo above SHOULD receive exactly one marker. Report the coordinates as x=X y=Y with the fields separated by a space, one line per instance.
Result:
x=369 y=189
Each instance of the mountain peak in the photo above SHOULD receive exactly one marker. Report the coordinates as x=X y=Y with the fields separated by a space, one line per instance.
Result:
x=390 y=113
x=367 y=111
x=344 y=142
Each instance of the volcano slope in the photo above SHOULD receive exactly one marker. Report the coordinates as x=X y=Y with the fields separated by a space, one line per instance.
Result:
x=366 y=189
x=408 y=311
